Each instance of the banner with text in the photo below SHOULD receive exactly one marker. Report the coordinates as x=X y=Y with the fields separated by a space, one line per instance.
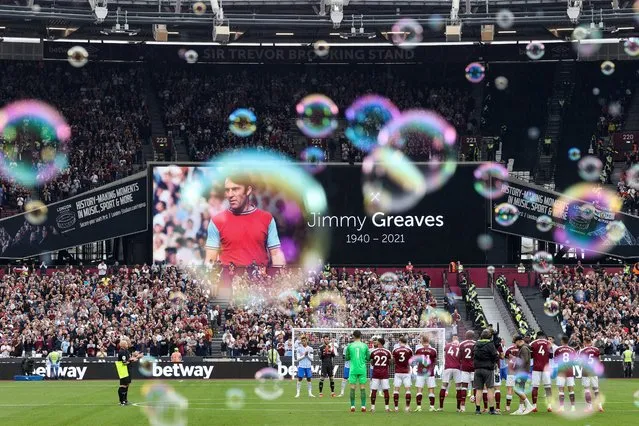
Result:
x=533 y=202
x=305 y=53
x=110 y=211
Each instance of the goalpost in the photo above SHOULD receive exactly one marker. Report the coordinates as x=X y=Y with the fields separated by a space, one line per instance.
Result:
x=340 y=337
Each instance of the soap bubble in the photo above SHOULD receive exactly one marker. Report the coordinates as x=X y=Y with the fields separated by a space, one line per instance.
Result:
x=535 y=50
x=163 y=406
x=317 y=116
x=235 y=399
x=551 y=308
x=36 y=212
x=475 y=72
x=78 y=56
x=501 y=83
x=407 y=33
x=146 y=364
x=542 y=262
x=321 y=48
x=506 y=214
x=544 y=223
x=190 y=56
x=269 y=384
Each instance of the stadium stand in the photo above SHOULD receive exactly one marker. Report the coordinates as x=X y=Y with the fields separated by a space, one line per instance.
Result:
x=83 y=314
x=359 y=299
x=600 y=304
x=104 y=105
x=197 y=103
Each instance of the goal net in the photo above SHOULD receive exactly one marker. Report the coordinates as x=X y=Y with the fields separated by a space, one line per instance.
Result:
x=341 y=337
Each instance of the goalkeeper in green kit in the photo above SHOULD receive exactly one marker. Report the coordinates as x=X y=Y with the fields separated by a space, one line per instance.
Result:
x=358 y=354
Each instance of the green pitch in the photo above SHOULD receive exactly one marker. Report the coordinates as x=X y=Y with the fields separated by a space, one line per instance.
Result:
x=96 y=403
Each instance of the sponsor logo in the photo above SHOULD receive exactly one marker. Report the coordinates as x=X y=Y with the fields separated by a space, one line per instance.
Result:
x=181 y=370
x=66 y=218
x=68 y=372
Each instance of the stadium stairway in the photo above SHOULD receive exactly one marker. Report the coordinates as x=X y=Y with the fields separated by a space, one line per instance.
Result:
x=534 y=300
x=632 y=120
x=155 y=111
x=492 y=313
x=559 y=101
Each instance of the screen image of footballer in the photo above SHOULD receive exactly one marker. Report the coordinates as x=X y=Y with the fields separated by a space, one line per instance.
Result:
x=184 y=229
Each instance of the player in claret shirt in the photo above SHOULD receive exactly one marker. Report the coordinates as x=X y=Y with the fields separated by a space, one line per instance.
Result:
x=511 y=356
x=451 y=371
x=590 y=379
x=380 y=361
x=541 y=354
x=564 y=358
x=401 y=356
x=466 y=349
x=426 y=373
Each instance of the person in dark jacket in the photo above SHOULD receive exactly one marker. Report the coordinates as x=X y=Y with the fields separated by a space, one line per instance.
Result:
x=485 y=358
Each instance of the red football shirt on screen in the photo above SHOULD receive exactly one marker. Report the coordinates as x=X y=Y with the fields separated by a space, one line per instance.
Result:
x=243 y=238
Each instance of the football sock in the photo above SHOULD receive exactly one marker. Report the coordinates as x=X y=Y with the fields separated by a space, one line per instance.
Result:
x=396 y=398
x=442 y=396
x=386 y=396
x=373 y=397
x=509 y=399
x=362 y=395
x=418 y=398
x=121 y=394
x=332 y=386
x=571 y=395
x=535 y=393
x=408 y=396
x=352 y=397
x=431 y=398
x=321 y=385
x=497 y=399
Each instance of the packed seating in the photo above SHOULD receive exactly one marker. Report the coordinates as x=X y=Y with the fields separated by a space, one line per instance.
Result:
x=330 y=298
x=599 y=304
x=197 y=103
x=106 y=109
x=84 y=313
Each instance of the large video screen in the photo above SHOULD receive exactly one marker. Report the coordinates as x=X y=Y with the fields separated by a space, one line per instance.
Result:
x=191 y=212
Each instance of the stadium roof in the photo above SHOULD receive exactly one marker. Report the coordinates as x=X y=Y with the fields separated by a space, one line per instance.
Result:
x=306 y=20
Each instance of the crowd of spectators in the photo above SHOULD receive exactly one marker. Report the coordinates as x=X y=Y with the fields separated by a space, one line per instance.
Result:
x=106 y=109
x=197 y=103
x=331 y=299
x=85 y=312
x=599 y=304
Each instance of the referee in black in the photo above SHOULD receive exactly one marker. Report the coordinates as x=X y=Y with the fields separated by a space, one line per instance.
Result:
x=125 y=358
x=327 y=353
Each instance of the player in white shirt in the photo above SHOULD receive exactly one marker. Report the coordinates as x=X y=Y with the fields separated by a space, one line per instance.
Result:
x=304 y=356
x=347 y=368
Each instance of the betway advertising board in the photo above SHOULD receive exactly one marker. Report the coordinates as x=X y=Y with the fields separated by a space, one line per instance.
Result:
x=203 y=369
